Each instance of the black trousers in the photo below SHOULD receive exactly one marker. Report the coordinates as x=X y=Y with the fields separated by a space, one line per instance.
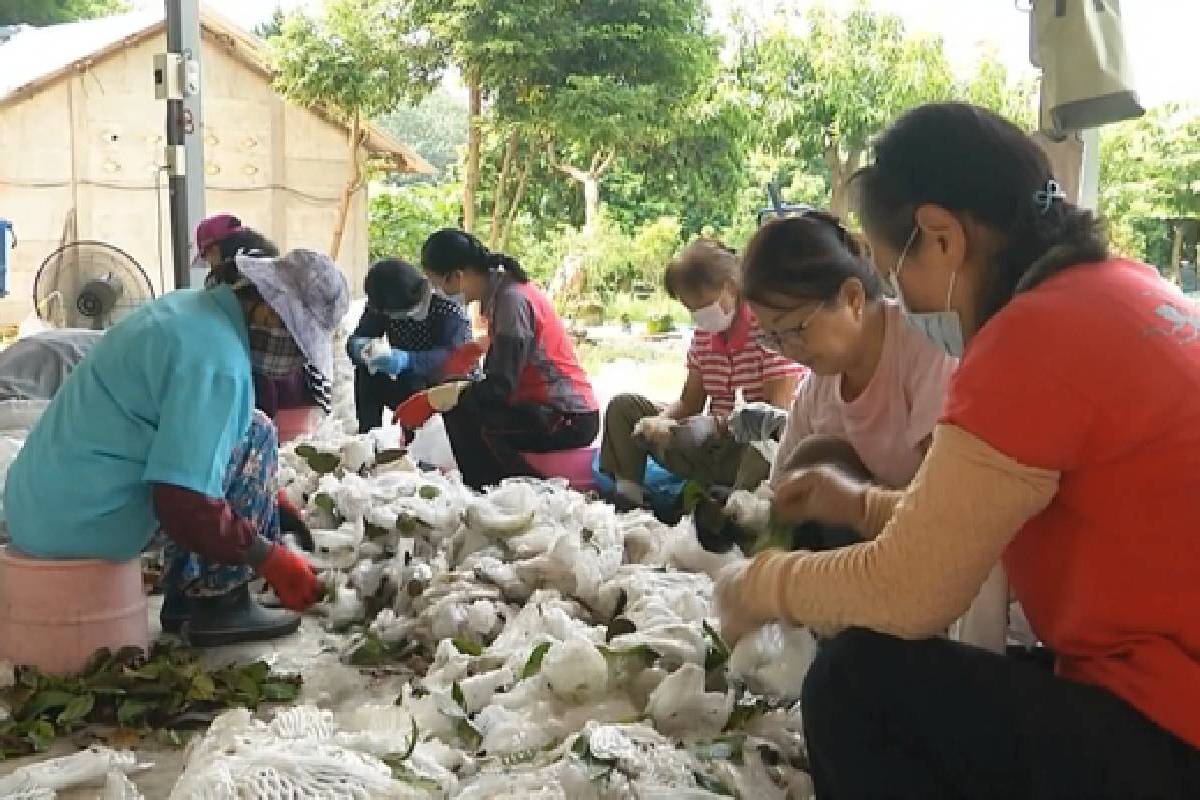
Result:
x=488 y=439
x=373 y=392
x=889 y=718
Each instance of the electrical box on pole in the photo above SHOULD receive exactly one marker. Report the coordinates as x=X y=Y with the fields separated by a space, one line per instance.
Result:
x=177 y=81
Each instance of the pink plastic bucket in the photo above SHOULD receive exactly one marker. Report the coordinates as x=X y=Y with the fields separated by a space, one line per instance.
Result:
x=55 y=614
x=292 y=423
x=574 y=465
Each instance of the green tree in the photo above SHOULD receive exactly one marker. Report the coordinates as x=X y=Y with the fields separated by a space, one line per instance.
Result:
x=573 y=83
x=273 y=26
x=1149 y=175
x=992 y=87
x=620 y=86
x=360 y=59
x=402 y=217
x=53 y=12
x=821 y=94
x=436 y=127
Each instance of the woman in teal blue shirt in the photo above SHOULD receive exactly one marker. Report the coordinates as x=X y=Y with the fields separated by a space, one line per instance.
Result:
x=157 y=428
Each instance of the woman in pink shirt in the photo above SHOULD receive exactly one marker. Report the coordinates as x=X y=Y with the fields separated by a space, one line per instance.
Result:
x=877 y=384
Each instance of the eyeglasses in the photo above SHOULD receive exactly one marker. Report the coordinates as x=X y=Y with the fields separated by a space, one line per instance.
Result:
x=778 y=341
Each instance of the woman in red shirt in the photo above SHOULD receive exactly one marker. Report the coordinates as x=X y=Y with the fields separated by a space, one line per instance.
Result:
x=1087 y=489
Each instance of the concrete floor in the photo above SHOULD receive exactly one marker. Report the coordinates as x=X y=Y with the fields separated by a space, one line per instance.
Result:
x=311 y=651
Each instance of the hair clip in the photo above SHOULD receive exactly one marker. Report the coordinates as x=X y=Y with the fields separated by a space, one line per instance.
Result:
x=1044 y=198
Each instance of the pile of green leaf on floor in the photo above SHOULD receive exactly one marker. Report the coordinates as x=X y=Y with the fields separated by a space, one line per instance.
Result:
x=132 y=693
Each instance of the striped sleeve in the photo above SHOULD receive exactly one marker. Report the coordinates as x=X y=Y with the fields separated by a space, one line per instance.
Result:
x=696 y=350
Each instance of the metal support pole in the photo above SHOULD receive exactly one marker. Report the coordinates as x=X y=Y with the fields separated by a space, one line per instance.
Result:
x=185 y=143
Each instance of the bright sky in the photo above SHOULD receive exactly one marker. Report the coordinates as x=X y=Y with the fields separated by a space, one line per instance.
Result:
x=1159 y=52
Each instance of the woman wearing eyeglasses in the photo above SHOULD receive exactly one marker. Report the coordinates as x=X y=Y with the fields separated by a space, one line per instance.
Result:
x=877 y=383
x=725 y=357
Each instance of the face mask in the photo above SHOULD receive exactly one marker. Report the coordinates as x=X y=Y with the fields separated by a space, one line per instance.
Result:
x=273 y=352
x=712 y=318
x=943 y=328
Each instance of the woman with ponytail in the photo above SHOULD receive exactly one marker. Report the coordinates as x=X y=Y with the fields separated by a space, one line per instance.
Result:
x=1069 y=449
x=534 y=396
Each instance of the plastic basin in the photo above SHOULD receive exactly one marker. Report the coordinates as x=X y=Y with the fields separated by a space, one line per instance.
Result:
x=574 y=465
x=292 y=423
x=55 y=614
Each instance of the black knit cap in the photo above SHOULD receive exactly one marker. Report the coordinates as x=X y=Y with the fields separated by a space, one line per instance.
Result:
x=395 y=285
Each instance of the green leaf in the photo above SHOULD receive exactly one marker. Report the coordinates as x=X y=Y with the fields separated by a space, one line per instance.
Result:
x=456 y=694
x=202 y=688
x=41 y=734
x=280 y=691
x=428 y=492
x=325 y=503
x=717 y=652
x=711 y=784
x=132 y=711
x=534 y=663
x=468 y=647
x=469 y=734
x=77 y=709
x=44 y=701
x=692 y=494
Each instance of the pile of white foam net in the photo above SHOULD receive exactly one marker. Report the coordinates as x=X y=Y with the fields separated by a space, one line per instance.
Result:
x=556 y=649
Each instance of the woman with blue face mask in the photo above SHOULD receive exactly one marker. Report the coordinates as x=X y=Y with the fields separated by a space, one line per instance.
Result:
x=1068 y=451
x=423 y=328
x=691 y=437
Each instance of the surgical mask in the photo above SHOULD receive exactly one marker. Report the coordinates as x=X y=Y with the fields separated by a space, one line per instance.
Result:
x=712 y=318
x=273 y=352
x=943 y=328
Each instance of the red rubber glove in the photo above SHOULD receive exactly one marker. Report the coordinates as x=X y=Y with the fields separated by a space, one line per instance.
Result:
x=465 y=358
x=292 y=577
x=414 y=412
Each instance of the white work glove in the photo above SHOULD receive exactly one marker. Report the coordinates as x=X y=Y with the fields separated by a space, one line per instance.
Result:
x=756 y=422
x=654 y=431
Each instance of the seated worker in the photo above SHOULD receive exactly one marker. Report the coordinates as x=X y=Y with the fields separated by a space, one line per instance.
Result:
x=533 y=397
x=877 y=384
x=1088 y=491
x=35 y=367
x=156 y=428
x=725 y=357
x=423 y=329
x=225 y=238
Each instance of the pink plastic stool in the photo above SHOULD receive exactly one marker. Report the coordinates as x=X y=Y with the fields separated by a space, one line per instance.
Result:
x=55 y=614
x=292 y=423
x=574 y=465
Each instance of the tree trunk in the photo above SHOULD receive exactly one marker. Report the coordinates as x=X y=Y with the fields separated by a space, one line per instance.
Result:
x=498 y=201
x=518 y=196
x=590 y=180
x=591 y=201
x=474 y=138
x=352 y=184
x=840 y=172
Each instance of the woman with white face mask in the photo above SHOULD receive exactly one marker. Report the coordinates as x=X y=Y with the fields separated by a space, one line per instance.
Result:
x=422 y=327
x=1068 y=450
x=692 y=438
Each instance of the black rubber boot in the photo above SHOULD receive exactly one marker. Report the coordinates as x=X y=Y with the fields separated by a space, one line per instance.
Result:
x=176 y=610
x=235 y=617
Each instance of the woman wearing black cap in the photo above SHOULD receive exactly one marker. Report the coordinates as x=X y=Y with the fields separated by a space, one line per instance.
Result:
x=422 y=328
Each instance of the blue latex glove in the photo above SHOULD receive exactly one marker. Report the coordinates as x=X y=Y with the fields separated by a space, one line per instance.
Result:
x=392 y=362
x=356 y=345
